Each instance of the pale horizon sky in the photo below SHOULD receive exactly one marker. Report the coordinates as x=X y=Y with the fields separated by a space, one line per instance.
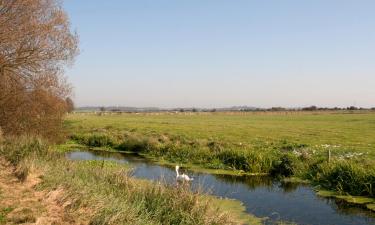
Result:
x=220 y=53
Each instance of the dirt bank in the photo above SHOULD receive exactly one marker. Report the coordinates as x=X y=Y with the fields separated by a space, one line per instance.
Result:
x=22 y=203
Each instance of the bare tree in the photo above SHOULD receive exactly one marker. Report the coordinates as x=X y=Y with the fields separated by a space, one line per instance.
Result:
x=35 y=46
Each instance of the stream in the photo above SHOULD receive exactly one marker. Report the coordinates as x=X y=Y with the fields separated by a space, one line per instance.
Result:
x=261 y=195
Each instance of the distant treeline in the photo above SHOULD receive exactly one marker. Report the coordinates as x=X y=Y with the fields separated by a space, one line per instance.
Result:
x=229 y=109
x=312 y=108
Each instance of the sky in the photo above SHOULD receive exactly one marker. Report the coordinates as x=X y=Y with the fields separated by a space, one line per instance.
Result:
x=220 y=53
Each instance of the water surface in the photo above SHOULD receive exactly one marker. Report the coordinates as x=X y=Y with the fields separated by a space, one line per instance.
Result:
x=262 y=196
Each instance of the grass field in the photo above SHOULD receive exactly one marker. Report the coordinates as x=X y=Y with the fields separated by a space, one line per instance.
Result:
x=349 y=131
x=286 y=144
x=281 y=143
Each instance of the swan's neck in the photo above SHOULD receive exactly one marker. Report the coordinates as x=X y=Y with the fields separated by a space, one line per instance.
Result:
x=177 y=172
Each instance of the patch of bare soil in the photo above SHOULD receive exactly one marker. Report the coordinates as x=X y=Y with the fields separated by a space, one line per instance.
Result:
x=21 y=203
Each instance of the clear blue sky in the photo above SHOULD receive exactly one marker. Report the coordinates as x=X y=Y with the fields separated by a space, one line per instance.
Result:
x=214 y=53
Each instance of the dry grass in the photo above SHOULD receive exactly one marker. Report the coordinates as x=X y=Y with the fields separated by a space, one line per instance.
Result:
x=104 y=193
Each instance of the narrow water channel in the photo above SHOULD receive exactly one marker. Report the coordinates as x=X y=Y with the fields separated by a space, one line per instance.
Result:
x=262 y=196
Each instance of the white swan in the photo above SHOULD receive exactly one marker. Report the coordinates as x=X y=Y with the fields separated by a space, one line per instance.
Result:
x=182 y=177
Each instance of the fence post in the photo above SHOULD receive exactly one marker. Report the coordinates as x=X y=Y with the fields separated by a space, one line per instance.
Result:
x=329 y=155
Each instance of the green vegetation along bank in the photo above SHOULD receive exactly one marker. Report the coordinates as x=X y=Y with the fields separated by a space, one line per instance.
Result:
x=102 y=192
x=283 y=144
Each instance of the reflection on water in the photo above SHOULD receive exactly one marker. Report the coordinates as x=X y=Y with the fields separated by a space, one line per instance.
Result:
x=262 y=196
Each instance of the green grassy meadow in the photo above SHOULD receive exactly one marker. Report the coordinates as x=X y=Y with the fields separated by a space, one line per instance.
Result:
x=348 y=131
x=282 y=144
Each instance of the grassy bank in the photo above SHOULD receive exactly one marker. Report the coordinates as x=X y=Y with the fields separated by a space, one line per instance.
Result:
x=105 y=194
x=280 y=144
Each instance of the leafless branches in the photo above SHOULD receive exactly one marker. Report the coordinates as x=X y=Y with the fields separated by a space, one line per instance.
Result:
x=35 y=45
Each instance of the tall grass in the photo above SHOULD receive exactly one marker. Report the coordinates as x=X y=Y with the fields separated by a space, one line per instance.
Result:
x=105 y=192
x=210 y=154
x=16 y=149
x=345 y=177
x=117 y=198
x=281 y=144
x=94 y=140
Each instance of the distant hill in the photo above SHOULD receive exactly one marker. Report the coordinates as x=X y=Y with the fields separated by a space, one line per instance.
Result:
x=118 y=109
x=194 y=109
x=156 y=109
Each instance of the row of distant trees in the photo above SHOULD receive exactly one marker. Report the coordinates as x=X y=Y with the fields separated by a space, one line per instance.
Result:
x=36 y=44
x=309 y=108
x=235 y=109
x=275 y=109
